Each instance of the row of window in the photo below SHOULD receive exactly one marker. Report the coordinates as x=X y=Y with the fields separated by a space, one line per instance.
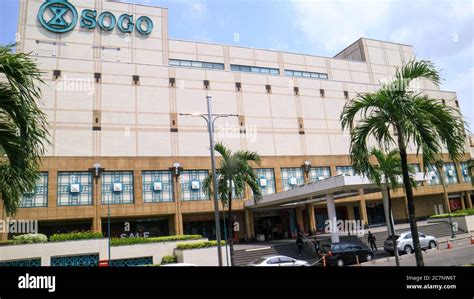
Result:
x=76 y=188
x=246 y=68
x=306 y=74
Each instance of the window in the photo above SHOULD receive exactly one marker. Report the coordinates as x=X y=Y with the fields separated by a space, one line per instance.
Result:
x=465 y=172
x=74 y=188
x=39 y=196
x=296 y=90
x=136 y=79
x=157 y=186
x=117 y=187
x=306 y=74
x=321 y=93
x=192 y=185
x=172 y=82
x=347 y=170
x=206 y=84
x=254 y=69
x=433 y=175
x=292 y=177
x=238 y=86
x=450 y=173
x=196 y=64
x=56 y=74
x=266 y=177
x=268 y=88
x=97 y=77
x=286 y=260
x=415 y=167
x=408 y=236
x=273 y=261
x=346 y=95
x=319 y=173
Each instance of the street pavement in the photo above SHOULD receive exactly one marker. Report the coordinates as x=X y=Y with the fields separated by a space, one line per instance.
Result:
x=462 y=253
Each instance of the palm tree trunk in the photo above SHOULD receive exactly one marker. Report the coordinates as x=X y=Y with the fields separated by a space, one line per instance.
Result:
x=230 y=231
x=410 y=199
x=392 y=227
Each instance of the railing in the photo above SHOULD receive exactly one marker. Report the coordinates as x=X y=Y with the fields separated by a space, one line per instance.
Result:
x=308 y=245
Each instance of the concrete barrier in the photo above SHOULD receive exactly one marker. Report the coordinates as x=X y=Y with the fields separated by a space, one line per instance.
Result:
x=202 y=256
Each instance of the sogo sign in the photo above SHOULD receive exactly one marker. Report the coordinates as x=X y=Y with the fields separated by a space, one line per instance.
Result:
x=64 y=19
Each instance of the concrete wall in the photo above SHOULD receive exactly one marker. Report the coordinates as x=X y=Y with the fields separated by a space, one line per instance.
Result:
x=203 y=256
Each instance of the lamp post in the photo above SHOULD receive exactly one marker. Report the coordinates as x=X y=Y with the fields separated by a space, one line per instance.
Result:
x=176 y=171
x=210 y=120
x=97 y=172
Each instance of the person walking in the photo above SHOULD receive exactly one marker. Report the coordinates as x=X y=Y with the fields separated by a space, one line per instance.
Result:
x=371 y=239
x=299 y=243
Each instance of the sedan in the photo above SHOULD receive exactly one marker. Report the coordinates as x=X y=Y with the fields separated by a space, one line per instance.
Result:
x=405 y=242
x=278 y=261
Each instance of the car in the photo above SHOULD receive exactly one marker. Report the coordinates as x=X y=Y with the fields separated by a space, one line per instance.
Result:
x=405 y=243
x=179 y=265
x=278 y=261
x=341 y=254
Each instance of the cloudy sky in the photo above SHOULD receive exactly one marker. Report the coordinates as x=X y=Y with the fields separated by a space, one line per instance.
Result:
x=440 y=30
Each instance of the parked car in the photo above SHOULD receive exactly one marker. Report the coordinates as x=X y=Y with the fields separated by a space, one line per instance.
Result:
x=405 y=243
x=340 y=254
x=278 y=261
x=179 y=265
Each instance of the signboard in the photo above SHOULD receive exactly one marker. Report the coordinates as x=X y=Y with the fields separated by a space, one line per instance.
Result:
x=60 y=16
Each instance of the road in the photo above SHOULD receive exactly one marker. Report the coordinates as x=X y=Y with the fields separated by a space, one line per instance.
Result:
x=461 y=254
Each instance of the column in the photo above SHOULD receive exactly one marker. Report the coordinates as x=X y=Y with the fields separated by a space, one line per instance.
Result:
x=311 y=218
x=461 y=197
x=363 y=208
x=178 y=217
x=249 y=223
x=469 y=200
x=97 y=221
x=332 y=217
x=299 y=218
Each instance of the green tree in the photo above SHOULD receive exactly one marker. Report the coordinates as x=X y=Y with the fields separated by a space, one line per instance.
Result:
x=234 y=172
x=23 y=132
x=417 y=120
x=386 y=173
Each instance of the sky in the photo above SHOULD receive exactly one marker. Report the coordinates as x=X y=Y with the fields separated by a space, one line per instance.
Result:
x=439 y=30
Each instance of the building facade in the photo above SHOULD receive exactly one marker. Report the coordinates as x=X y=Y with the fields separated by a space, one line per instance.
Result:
x=116 y=84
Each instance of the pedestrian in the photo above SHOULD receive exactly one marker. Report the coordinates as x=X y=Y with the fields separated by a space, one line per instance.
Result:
x=299 y=243
x=371 y=239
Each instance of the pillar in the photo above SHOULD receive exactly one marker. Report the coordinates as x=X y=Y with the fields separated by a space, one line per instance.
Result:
x=249 y=224
x=97 y=221
x=463 y=205
x=311 y=218
x=299 y=218
x=178 y=216
x=468 y=200
x=363 y=208
x=332 y=217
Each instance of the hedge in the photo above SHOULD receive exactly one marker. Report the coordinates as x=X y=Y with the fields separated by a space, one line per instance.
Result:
x=6 y=242
x=169 y=259
x=466 y=212
x=30 y=239
x=87 y=235
x=132 y=241
x=198 y=245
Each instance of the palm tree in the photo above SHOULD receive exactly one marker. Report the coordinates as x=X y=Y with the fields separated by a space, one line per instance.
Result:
x=23 y=132
x=386 y=173
x=427 y=124
x=234 y=173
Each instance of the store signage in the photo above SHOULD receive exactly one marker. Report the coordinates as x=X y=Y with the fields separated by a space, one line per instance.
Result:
x=60 y=16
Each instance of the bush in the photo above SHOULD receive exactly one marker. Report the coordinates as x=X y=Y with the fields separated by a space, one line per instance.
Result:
x=466 y=212
x=198 y=245
x=133 y=241
x=6 y=242
x=169 y=259
x=75 y=236
x=30 y=239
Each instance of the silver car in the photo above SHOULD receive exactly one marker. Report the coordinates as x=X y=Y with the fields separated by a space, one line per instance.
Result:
x=278 y=261
x=405 y=243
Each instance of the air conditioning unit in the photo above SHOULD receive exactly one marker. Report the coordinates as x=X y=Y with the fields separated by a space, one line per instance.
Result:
x=195 y=185
x=157 y=186
x=75 y=188
x=450 y=172
x=465 y=172
x=320 y=178
x=292 y=181
x=117 y=187
x=263 y=182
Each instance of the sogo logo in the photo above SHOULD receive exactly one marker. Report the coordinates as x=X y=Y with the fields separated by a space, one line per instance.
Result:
x=60 y=16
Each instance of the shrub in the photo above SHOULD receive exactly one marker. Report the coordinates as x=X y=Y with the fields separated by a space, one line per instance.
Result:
x=30 y=238
x=169 y=259
x=466 y=212
x=6 y=242
x=133 y=241
x=198 y=245
x=75 y=236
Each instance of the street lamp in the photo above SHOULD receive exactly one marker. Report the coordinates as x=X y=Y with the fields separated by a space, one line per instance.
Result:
x=210 y=120
x=97 y=172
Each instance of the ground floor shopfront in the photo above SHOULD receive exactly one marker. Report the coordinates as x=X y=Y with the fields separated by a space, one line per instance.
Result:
x=152 y=201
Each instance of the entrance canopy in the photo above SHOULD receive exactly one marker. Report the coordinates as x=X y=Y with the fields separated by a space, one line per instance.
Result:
x=340 y=186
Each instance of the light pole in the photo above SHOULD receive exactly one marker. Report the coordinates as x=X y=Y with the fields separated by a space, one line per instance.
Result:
x=210 y=120
x=97 y=172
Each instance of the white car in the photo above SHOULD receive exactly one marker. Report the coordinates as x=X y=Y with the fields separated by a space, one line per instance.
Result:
x=179 y=265
x=278 y=261
x=405 y=242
